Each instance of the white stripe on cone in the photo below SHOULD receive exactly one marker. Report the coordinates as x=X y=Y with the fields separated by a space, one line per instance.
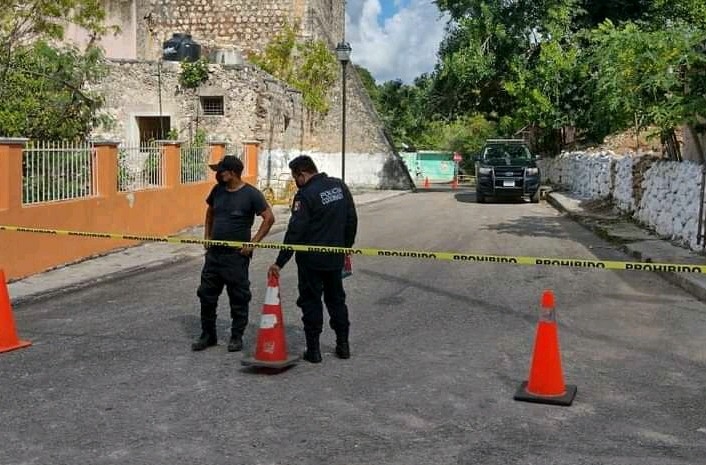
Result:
x=272 y=296
x=268 y=321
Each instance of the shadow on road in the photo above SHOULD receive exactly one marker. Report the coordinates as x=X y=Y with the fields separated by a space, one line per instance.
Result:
x=530 y=226
x=443 y=188
x=520 y=314
x=470 y=197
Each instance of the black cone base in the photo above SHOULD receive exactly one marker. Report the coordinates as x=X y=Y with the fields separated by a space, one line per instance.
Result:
x=252 y=362
x=565 y=400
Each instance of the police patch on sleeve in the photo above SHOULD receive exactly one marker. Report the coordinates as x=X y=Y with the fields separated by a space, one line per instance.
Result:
x=296 y=205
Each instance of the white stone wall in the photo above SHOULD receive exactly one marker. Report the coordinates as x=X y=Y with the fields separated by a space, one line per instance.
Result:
x=585 y=175
x=363 y=170
x=623 y=187
x=666 y=200
x=670 y=201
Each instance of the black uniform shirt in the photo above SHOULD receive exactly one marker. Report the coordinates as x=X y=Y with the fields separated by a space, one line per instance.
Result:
x=323 y=214
x=234 y=212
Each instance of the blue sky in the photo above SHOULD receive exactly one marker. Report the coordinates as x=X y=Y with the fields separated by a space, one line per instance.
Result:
x=390 y=7
x=394 y=39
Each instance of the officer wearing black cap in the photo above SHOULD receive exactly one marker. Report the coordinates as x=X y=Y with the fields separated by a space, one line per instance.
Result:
x=323 y=213
x=232 y=206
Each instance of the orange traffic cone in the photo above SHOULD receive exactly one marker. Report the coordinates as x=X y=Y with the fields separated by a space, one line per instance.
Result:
x=454 y=184
x=271 y=347
x=546 y=379
x=426 y=183
x=8 y=334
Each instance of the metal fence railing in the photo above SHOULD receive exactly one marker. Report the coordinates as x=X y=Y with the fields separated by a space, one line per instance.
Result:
x=194 y=164
x=140 y=167
x=53 y=171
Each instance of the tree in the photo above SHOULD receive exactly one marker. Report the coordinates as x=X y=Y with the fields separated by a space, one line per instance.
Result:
x=278 y=58
x=368 y=81
x=315 y=74
x=688 y=12
x=649 y=78
x=308 y=66
x=465 y=135
x=484 y=47
x=45 y=94
x=548 y=91
x=24 y=22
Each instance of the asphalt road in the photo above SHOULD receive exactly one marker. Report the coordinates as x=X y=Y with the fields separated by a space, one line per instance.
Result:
x=439 y=349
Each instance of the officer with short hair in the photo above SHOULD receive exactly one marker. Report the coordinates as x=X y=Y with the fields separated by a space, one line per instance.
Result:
x=232 y=206
x=323 y=214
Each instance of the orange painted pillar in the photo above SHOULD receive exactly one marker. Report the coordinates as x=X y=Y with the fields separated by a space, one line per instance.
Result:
x=217 y=152
x=106 y=163
x=11 y=173
x=251 y=150
x=171 y=157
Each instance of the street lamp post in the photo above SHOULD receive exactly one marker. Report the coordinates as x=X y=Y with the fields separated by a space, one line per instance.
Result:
x=343 y=51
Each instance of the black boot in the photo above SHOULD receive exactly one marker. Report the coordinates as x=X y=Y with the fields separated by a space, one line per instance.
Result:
x=313 y=351
x=236 y=343
x=206 y=339
x=208 y=336
x=343 y=350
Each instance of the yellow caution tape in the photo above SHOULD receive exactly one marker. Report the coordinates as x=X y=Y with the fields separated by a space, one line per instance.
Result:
x=449 y=256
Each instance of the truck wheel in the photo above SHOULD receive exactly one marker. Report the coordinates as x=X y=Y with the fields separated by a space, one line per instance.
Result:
x=480 y=198
x=535 y=197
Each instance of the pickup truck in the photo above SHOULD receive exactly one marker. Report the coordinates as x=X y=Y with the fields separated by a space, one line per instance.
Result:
x=506 y=168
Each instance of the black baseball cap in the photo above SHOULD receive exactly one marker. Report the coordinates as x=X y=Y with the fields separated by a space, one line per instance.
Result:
x=228 y=163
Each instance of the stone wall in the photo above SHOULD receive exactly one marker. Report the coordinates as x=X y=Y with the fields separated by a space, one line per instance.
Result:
x=256 y=107
x=363 y=170
x=662 y=195
x=246 y=25
x=240 y=24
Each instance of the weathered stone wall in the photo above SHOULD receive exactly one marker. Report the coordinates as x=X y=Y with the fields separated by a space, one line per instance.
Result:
x=323 y=19
x=256 y=107
x=663 y=195
x=243 y=24
x=278 y=117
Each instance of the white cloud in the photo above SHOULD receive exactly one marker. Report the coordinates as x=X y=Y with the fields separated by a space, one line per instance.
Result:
x=403 y=46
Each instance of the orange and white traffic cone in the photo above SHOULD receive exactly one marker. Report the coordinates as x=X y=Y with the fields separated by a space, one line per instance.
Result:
x=271 y=347
x=454 y=184
x=8 y=334
x=546 y=379
x=426 y=182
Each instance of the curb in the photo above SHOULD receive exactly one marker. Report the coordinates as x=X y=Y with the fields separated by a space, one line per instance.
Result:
x=109 y=277
x=683 y=281
x=143 y=268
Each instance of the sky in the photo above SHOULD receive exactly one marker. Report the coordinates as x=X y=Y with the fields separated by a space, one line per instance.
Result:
x=394 y=39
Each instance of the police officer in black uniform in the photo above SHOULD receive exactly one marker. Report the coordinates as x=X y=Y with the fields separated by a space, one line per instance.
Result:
x=323 y=213
x=232 y=206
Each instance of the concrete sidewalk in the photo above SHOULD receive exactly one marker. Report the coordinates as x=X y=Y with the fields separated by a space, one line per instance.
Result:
x=639 y=243
x=141 y=258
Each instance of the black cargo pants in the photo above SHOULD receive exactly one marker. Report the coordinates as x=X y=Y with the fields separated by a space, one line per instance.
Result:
x=312 y=284
x=225 y=267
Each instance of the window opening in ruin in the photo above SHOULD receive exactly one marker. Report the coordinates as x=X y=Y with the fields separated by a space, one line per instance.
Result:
x=212 y=106
x=153 y=128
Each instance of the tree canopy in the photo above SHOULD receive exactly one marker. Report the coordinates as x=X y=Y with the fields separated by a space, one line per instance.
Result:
x=597 y=67
x=44 y=87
